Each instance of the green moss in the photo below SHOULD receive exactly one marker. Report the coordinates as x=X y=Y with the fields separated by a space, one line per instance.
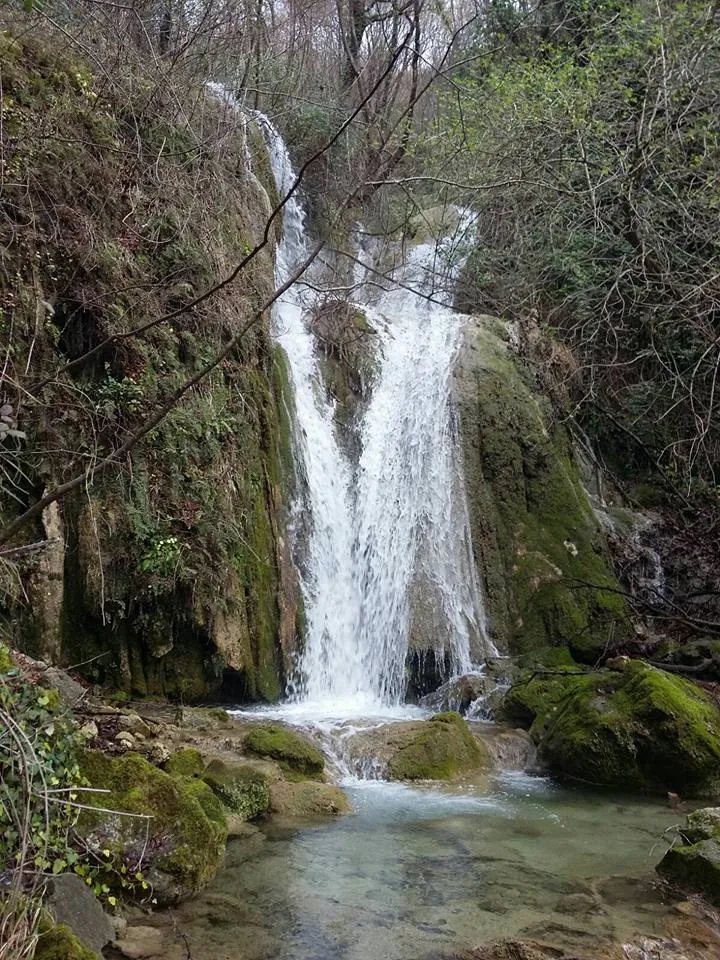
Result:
x=185 y=763
x=6 y=660
x=187 y=824
x=639 y=727
x=694 y=868
x=288 y=748
x=60 y=943
x=443 y=749
x=242 y=788
x=549 y=578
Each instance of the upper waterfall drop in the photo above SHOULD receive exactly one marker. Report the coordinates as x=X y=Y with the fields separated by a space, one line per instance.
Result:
x=387 y=558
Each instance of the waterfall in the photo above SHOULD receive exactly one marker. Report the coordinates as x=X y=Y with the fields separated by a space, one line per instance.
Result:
x=387 y=552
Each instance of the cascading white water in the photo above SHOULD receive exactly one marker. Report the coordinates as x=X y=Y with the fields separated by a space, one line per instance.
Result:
x=388 y=555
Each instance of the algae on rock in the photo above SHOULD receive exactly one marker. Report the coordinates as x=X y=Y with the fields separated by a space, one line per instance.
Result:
x=296 y=755
x=546 y=568
x=637 y=726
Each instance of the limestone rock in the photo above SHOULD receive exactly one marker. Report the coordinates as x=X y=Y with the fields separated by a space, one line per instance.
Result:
x=307 y=798
x=526 y=501
x=693 y=864
x=241 y=787
x=458 y=694
x=73 y=904
x=441 y=748
x=70 y=690
x=141 y=942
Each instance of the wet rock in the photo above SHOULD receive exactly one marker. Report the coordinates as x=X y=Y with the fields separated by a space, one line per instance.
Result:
x=307 y=798
x=73 y=904
x=508 y=749
x=459 y=693
x=141 y=942
x=507 y=950
x=693 y=864
x=526 y=501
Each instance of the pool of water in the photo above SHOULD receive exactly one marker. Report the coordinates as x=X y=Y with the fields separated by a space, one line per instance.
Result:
x=419 y=870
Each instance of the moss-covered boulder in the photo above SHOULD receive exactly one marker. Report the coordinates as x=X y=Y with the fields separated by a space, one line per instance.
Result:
x=442 y=748
x=635 y=726
x=293 y=752
x=58 y=942
x=545 y=564
x=694 y=864
x=177 y=826
x=241 y=787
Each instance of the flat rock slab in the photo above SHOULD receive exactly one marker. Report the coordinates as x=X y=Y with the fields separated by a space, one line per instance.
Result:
x=141 y=942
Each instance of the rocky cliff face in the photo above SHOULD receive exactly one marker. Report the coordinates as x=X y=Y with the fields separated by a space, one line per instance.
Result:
x=543 y=558
x=169 y=574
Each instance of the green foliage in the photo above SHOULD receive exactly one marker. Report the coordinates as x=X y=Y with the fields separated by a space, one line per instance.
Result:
x=595 y=138
x=40 y=777
x=162 y=557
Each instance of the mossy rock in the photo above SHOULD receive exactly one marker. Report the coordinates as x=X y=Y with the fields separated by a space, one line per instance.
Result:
x=185 y=763
x=441 y=748
x=546 y=566
x=307 y=798
x=292 y=751
x=58 y=942
x=187 y=826
x=637 y=727
x=240 y=787
x=694 y=864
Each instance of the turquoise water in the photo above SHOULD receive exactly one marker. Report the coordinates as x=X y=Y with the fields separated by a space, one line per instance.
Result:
x=416 y=871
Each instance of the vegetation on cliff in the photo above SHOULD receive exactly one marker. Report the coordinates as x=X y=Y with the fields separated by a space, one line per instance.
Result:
x=164 y=576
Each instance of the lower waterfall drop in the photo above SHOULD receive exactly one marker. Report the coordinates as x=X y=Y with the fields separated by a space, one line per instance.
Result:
x=387 y=561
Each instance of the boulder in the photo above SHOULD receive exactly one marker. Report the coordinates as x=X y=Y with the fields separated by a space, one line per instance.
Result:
x=693 y=864
x=637 y=727
x=73 y=904
x=58 y=942
x=293 y=752
x=441 y=748
x=177 y=824
x=70 y=691
x=307 y=798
